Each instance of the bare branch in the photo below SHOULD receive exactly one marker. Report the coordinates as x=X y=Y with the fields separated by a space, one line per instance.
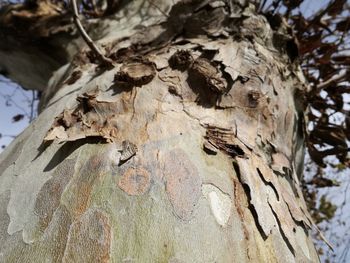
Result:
x=86 y=37
x=333 y=79
x=158 y=8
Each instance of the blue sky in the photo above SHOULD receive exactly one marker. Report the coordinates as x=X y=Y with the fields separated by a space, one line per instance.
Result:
x=13 y=101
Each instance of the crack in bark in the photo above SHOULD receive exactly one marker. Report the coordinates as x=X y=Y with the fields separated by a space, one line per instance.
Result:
x=268 y=183
x=286 y=240
x=240 y=213
x=250 y=206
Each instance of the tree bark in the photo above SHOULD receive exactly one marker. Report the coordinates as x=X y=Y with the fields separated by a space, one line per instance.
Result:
x=188 y=150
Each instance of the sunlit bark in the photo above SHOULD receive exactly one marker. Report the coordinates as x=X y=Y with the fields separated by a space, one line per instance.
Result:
x=186 y=151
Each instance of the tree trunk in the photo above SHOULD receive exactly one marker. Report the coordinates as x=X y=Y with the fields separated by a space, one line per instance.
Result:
x=187 y=150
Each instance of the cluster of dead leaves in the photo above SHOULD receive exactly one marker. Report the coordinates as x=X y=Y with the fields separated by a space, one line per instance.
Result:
x=323 y=40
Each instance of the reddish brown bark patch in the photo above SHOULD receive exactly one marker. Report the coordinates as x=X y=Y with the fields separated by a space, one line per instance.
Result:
x=135 y=181
x=89 y=239
x=55 y=237
x=49 y=196
x=183 y=183
x=81 y=188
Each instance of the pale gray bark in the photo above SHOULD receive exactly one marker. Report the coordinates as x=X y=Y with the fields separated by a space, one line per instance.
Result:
x=211 y=108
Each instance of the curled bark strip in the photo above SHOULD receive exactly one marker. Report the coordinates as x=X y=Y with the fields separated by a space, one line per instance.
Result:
x=91 y=118
x=128 y=150
x=224 y=140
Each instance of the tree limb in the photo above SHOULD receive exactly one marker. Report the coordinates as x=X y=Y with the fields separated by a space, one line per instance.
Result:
x=331 y=80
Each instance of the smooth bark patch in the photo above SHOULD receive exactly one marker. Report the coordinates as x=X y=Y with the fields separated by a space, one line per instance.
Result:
x=65 y=151
x=4 y=217
x=15 y=152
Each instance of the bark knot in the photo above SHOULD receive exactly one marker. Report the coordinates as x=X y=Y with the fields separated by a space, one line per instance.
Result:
x=135 y=73
x=181 y=60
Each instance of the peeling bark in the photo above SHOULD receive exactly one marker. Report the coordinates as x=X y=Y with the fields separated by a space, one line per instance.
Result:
x=184 y=152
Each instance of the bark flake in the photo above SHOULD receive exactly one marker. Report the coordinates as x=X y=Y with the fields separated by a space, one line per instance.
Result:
x=223 y=139
x=90 y=118
x=128 y=150
x=204 y=72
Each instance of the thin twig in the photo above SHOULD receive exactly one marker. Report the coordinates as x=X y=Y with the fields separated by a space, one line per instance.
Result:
x=32 y=103
x=158 y=8
x=7 y=135
x=86 y=37
x=262 y=6
x=9 y=100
